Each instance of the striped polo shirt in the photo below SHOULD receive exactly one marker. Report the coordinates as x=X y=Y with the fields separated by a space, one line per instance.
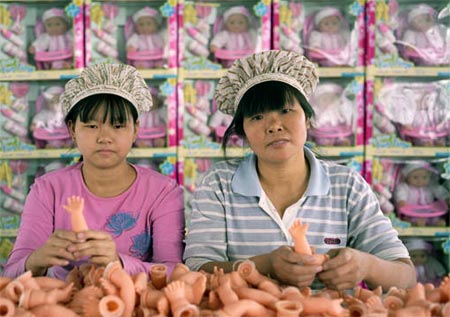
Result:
x=232 y=219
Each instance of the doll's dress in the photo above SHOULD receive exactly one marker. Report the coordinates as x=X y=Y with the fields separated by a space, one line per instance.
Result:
x=233 y=45
x=150 y=50
x=152 y=126
x=53 y=51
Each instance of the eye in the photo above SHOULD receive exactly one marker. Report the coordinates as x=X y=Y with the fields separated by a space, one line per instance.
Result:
x=256 y=117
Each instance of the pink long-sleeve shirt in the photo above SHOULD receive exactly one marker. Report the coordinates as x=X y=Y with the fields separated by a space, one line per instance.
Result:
x=146 y=221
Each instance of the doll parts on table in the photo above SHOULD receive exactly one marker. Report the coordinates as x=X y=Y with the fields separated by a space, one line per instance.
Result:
x=145 y=40
x=428 y=268
x=53 y=47
x=235 y=36
x=327 y=38
x=419 y=198
x=48 y=126
x=423 y=40
x=332 y=123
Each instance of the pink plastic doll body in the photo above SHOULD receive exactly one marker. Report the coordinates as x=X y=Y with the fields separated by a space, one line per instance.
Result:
x=145 y=47
x=428 y=268
x=53 y=49
x=237 y=39
x=424 y=41
x=153 y=126
x=419 y=198
x=333 y=116
x=328 y=42
x=47 y=126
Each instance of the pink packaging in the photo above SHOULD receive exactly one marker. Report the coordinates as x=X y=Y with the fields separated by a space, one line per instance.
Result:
x=42 y=35
x=208 y=42
x=142 y=34
x=327 y=34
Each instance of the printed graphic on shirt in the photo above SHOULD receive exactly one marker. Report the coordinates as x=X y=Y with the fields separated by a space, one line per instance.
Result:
x=141 y=245
x=120 y=222
x=334 y=241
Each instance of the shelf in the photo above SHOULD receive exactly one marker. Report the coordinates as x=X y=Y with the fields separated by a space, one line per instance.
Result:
x=40 y=75
x=341 y=71
x=72 y=153
x=231 y=152
x=341 y=151
x=423 y=231
x=411 y=151
x=409 y=72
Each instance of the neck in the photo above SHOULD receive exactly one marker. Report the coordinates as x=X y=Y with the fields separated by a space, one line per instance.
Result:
x=108 y=182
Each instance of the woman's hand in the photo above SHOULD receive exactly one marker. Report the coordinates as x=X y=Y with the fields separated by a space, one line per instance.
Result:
x=345 y=269
x=55 y=252
x=99 y=246
x=292 y=268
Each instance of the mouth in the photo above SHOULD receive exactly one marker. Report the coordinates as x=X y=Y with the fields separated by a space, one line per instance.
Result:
x=278 y=142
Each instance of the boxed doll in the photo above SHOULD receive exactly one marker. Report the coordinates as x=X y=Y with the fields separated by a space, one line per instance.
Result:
x=41 y=35
x=138 y=33
x=328 y=33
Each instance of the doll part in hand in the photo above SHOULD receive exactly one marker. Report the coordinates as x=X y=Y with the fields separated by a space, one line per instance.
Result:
x=145 y=39
x=75 y=207
x=53 y=47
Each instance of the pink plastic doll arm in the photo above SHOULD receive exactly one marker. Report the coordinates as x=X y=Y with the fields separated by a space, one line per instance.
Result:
x=75 y=205
x=298 y=232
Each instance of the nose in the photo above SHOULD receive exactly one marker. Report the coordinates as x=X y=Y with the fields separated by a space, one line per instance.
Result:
x=273 y=123
x=104 y=133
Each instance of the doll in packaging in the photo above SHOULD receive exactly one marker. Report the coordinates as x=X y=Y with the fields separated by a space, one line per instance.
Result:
x=237 y=37
x=145 y=40
x=419 y=198
x=332 y=124
x=53 y=47
x=423 y=40
x=47 y=126
x=328 y=37
x=428 y=268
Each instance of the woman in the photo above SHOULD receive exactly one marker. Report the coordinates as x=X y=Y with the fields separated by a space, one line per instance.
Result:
x=134 y=214
x=244 y=207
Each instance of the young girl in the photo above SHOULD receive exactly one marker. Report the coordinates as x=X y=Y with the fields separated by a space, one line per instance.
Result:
x=238 y=37
x=56 y=38
x=134 y=214
x=146 y=39
x=243 y=208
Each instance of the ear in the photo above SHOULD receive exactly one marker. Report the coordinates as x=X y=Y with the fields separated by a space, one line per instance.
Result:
x=71 y=128
x=136 y=129
x=308 y=123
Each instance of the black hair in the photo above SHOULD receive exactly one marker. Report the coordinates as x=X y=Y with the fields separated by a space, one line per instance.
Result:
x=263 y=97
x=117 y=109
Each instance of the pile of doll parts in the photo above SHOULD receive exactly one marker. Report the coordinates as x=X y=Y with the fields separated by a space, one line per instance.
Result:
x=111 y=292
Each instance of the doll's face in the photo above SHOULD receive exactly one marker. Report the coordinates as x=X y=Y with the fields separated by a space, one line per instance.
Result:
x=419 y=178
x=419 y=257
x=422 y=22
x=237 y=23
x=330 y=24
x=55 y=26
x=146 y=25
x=327 y=99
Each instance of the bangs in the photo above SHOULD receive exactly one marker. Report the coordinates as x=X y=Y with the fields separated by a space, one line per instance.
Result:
x=117 y=109
x=268 y=96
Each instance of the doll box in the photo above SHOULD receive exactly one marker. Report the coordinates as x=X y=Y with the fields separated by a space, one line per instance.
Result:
x=328 y=34
x=206 y=42
x=139 y=33
x=26 y=45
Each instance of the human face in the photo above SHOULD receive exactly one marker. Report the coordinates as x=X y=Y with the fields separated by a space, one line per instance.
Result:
x=422 y=22
x=236 y=23
x=418 y=178
x=102 y=144
x=279 y=135
x=55 y=26
x=146 y=25
x=330 y=24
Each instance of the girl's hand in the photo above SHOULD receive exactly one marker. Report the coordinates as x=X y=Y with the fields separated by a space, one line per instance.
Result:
x=292 y=268
x=345 y=269
x=55 y=252
x=99 y=246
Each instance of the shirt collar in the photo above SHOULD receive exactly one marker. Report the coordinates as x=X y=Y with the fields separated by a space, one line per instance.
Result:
x=246 y=181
